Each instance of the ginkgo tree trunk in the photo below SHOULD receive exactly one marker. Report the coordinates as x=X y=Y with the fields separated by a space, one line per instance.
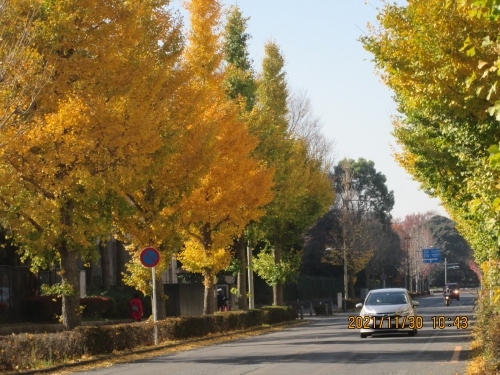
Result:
x=92 y=128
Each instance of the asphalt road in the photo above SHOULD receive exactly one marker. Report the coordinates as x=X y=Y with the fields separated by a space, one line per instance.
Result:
x=327 y=346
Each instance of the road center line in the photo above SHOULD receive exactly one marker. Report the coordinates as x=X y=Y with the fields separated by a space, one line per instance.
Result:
x=456 y=354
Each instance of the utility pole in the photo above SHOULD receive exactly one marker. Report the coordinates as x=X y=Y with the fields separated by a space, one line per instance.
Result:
x=345 y=277
x=407 y=272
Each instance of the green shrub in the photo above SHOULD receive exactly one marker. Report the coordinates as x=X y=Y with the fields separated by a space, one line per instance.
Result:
x=254 y=317
x=107 y=339
x=278 y=314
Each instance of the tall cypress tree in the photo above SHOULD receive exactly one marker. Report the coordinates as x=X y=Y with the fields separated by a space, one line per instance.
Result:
x=240 y=86
x=302 y=191
x=240 y=81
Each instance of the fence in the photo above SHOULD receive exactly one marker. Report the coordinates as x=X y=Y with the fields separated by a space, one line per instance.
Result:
x=17 y=284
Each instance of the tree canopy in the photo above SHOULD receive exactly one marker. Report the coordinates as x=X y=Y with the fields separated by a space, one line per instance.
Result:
x=115 y=124
x=436 y=58
x=88 y=128
x=361 y=209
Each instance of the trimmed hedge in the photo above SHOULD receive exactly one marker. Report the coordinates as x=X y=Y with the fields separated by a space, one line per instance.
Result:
x=35 y=351
x=27 y=351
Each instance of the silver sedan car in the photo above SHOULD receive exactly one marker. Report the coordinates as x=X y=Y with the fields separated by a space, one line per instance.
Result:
x=388 y=310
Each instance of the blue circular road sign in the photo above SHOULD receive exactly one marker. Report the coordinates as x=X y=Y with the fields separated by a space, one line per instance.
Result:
x=149 y=257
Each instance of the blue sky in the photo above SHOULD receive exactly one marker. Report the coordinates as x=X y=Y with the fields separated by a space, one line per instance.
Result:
x=319 y=41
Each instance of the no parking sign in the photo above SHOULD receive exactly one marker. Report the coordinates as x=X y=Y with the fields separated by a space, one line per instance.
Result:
x=149 y=257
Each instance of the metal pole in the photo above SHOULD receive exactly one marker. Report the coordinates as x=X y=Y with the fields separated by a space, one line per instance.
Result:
x=407 y=276
x=345 y=278
x=251 y=299
x=408 y=262
x=154 y=305
x=415 y=272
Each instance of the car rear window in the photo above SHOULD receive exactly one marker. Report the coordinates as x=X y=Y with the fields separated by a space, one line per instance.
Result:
x=386 y=299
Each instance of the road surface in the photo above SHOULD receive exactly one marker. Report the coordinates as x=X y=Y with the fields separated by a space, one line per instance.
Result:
x=327 y=346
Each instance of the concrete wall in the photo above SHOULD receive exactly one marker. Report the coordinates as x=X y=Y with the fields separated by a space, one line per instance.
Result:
x=184 y=299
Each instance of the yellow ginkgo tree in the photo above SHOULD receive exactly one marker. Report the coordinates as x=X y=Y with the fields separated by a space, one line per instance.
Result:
x=149 y=213
x=235 y=186
x=91 y=129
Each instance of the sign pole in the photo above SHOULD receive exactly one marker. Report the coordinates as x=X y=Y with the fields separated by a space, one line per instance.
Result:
x=150 y=257
x=153 y=274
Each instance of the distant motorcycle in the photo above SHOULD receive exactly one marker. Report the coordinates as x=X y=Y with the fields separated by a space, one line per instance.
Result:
x=447 y=298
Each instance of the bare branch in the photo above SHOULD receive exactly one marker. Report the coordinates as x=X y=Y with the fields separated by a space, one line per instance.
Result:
x=302 y=124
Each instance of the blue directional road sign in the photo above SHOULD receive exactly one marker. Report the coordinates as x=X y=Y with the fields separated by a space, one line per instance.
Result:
x=149 y=257
x=432 y=255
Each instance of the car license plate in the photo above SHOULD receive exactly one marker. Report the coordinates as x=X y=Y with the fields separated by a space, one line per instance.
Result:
x=385 y=322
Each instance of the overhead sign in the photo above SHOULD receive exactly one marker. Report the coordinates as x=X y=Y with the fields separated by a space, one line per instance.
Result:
x=432 y=255
x=149 y=257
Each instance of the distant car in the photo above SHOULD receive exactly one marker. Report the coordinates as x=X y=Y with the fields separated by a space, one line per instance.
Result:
x=388 y=310
x=455 y=290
